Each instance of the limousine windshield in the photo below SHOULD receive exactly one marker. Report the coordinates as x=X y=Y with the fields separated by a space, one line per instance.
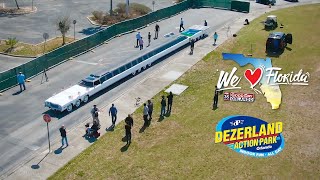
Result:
x=86 y=83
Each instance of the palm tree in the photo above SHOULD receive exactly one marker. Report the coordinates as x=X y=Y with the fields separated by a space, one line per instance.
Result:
x=63 y=25
x=17 y=4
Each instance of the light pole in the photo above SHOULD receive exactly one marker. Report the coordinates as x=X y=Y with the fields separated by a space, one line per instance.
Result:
x=32 y=5
x=45 y=37
x=127 y=7
x=74 y=29
x=153 y=3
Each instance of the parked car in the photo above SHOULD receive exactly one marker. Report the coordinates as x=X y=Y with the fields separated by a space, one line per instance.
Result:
x=277 y=41
x=271 y=22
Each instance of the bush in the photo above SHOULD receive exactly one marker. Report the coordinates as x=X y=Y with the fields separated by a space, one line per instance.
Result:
x=98 y=16
x=139 y=8
x=11 y=42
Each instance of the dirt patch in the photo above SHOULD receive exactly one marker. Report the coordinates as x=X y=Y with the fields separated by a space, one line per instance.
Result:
x=15 y=11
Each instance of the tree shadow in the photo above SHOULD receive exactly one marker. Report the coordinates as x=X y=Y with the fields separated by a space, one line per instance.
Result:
x=91 y=30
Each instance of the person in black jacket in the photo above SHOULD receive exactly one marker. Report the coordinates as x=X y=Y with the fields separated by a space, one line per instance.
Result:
x=63 y=134
x=170 y=99
x=163 y=106
x=128 y=126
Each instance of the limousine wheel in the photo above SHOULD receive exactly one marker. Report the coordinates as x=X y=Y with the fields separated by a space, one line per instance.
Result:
x=145 y=67
x=134 y=73
x=149 y=64
x=139 y=70
x=78 y=102
x=86 y=99
x=69 y=108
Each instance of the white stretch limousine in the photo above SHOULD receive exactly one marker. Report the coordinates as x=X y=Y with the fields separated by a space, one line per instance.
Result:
x=73 y=96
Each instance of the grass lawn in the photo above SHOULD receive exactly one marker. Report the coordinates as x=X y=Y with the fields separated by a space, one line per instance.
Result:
x=182 y=145
x=24 y=49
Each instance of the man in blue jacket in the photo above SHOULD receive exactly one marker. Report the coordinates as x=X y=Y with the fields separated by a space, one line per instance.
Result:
x=113 y=111
x=21 y=81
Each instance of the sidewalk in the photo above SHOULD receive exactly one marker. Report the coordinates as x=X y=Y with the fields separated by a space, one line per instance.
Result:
x=160 y=77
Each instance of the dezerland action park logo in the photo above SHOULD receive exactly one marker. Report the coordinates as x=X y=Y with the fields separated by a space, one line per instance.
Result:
x=250 y=136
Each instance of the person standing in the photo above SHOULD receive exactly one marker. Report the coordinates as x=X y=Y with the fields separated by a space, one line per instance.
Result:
x=181 y=25
x=163 y=106
x=128 y=126
x=215 y=98
x=63 y=134
x=170 y=100
x=141 y=43
x=205 y=23
x=157 y=29
x=215 y=37
x=191 y=46
x=149 y=39
x=21 y=81
x=113 y=112
x=145 y=114
x=138 y=37
x=150 y=108
x=95 y=114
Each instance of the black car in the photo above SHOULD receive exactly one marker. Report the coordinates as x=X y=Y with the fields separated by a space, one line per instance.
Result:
x=277 y=41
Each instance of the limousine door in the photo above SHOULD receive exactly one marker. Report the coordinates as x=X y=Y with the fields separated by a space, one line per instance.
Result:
x=96 y=86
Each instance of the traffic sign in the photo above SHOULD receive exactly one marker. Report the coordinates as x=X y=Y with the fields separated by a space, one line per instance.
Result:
x=46 y=118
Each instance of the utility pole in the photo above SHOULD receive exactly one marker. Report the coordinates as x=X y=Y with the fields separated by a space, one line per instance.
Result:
x=127 y=7
x=111 y=8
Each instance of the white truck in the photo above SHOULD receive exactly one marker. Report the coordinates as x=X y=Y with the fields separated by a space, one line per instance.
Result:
x=80 y=93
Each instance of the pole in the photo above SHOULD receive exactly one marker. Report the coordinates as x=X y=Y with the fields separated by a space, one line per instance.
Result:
x=44 y=47
x=127 y=8
x=32 y=5
x=48 y=137
x=74 y=31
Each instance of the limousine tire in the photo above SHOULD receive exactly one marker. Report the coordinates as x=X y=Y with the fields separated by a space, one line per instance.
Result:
x=78 y=102
x=69 y=108
x=149 y=64
x=133 y=73
x=86 y=99
x=139 y=70
x=145 y=67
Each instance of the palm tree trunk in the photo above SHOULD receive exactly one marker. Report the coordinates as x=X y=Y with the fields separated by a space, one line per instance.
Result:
x=63 y=39
x=17 y=4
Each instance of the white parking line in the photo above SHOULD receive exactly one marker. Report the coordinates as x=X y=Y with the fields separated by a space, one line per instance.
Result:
x=84 y=62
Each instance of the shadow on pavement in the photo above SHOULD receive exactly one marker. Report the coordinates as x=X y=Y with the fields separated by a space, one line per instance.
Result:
x=90 y=30
x=59 y=150
x=36 y=166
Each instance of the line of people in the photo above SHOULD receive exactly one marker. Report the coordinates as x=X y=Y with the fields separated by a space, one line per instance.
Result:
x=140 y=41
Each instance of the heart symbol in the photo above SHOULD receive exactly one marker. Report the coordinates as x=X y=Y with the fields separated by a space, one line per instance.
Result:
x=253 y=77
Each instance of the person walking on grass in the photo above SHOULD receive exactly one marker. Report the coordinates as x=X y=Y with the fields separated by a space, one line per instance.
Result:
x=113 y=112
x=215 y=98
x=149 y=39
x=141 y=43
x=170 y=100
x=145 y=114
x=157 y=29
x=163 y=106
x=128 y=126
x=21 y=81
x=215 y=37
x=63 y=134
x=138 y=37
x=150 y=108
x=181 y=25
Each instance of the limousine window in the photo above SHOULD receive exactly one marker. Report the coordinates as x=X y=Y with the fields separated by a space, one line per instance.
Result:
x=86 y=83
x=140 y=59
x=115 y=72
x=135 y=62
x=128 y=66
x=96 y=83
x=123 y=68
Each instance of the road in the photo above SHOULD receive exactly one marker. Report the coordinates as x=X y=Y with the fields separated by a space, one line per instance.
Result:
x=22 y=129
x=30 y=27
x=8 y=62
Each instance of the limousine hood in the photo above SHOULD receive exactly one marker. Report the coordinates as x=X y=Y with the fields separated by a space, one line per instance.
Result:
x=68 y=95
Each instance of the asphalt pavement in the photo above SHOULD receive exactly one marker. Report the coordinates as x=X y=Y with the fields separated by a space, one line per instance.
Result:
x=30 y=27
x=8 y=62
x=22 y=129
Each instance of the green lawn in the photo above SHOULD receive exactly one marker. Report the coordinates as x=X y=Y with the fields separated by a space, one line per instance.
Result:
x=24 y=49
x=182 y=145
